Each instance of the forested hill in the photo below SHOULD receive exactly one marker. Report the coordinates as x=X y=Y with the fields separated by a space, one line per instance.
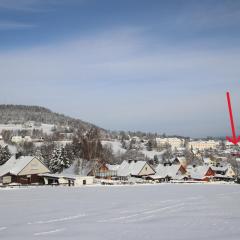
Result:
x=20 y=114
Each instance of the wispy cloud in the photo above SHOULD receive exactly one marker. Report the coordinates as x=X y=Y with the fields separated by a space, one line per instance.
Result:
x=33 y=5
x=6 y=25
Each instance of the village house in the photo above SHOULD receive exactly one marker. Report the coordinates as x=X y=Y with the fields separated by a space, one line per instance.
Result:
x=200 y=173
x=106 y=171
x=224 y=172
x=169 y=171
x=134 y=168
x=22 y=170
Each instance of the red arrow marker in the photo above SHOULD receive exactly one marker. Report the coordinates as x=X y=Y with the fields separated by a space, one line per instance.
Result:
x=234 y=139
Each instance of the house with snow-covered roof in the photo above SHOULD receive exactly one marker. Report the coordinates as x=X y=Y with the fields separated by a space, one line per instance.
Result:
x=200 y=173
x=134 y=168
x=22 y=170
x=224 y=172
x=170 y=171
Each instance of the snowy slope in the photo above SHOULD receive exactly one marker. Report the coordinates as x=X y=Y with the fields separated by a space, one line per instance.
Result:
x=115 y=145
x=152 y=153
x=164 y=211
x=117 y=148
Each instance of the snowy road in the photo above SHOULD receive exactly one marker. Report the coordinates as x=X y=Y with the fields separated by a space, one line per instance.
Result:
x=164 y=211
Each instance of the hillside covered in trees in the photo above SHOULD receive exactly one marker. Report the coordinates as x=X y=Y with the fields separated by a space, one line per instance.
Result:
x=20 y=114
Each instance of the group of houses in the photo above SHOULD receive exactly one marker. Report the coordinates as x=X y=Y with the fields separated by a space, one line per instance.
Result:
x=29 y=170
x=175 y=169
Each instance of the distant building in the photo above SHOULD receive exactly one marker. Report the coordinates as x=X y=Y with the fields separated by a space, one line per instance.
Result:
x=17 y=139
x=174 y=142
x=203 y=145
x=20 y=139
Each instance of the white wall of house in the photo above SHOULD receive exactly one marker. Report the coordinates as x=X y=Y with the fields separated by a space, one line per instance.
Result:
x=80 y=180
x=34 y=167
x=147 y=170
x=230 y=172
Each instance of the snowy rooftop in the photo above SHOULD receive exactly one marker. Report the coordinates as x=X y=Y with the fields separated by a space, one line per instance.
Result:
x=15 y=166
x=113 y=167
x=128 y=168
x=168 y=171
x=197 y=172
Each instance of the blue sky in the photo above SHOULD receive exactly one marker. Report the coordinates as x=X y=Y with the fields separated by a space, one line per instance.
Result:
x=159 y=66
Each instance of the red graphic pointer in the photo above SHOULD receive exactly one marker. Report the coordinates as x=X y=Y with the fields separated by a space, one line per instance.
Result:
x=234 y=139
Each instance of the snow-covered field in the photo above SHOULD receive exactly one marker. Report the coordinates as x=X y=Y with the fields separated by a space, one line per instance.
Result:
x=164 y=211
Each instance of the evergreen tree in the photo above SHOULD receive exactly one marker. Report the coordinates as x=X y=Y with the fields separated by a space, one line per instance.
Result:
x=54 y=163
x=4 y=154
x=59 y=160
